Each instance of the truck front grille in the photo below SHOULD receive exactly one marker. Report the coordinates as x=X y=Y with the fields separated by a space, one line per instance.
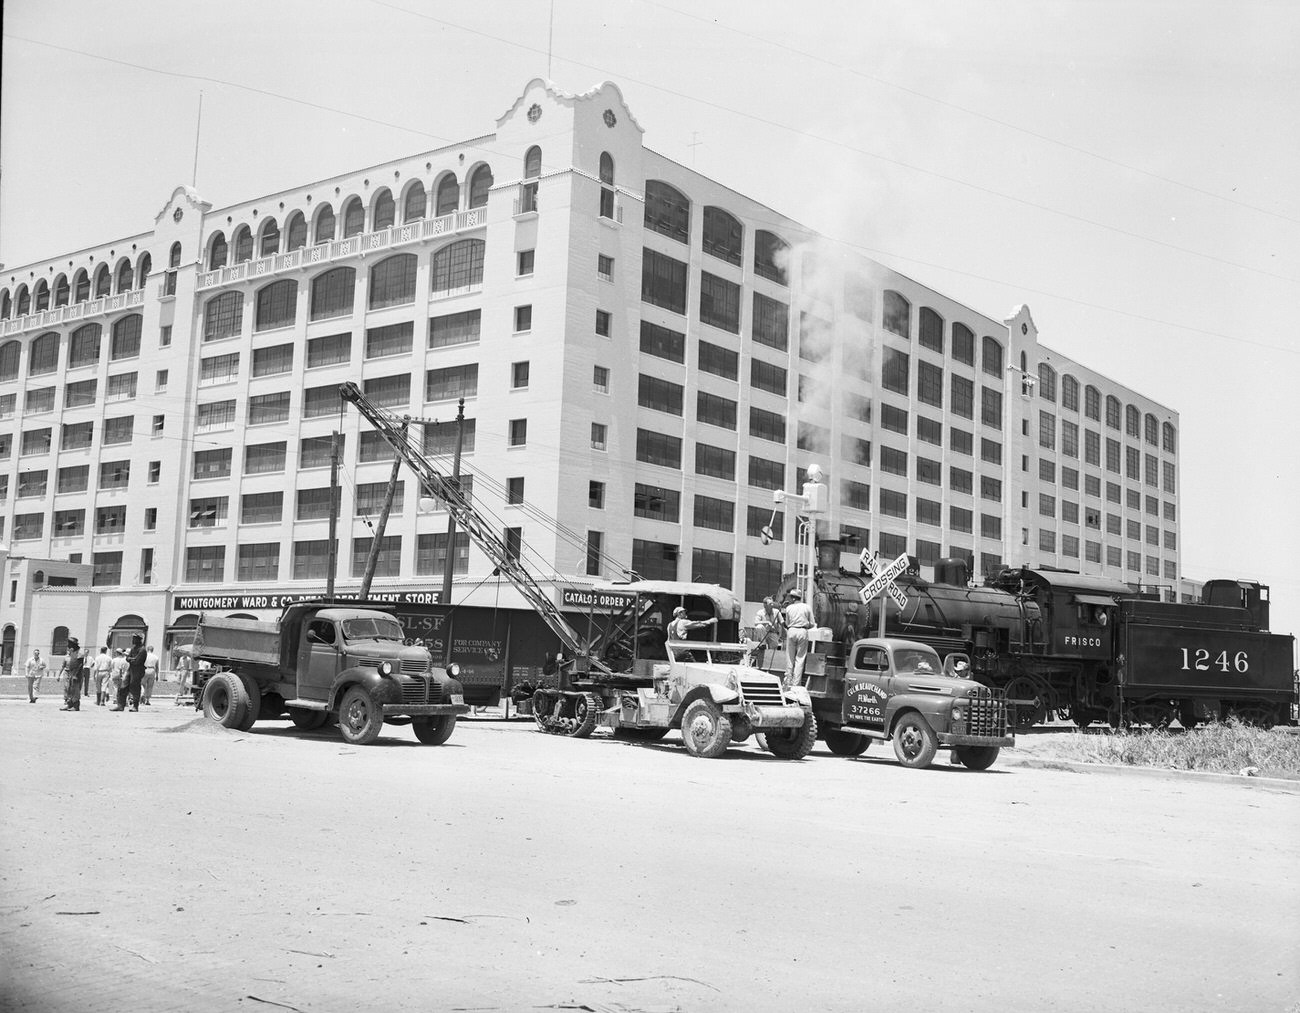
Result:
x=761 y=694
x=986 y=715
x=416 y=691
x=413 y=666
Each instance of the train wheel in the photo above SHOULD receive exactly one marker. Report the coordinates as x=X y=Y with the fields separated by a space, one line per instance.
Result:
x=1259 y=715
x=1030 y=714
x=1080 y=715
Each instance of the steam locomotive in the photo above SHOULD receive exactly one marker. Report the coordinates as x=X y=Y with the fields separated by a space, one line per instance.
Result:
x=1081 y=647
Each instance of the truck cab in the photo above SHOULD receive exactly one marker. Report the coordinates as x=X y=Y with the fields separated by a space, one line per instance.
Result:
x=899 y=691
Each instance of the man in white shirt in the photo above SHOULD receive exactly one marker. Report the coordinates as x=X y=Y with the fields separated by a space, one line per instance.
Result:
x=798 y=621
x=36 y=669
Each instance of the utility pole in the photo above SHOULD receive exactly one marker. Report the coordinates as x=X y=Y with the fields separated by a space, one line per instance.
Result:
x=451 y=514
x=334 y=515
x=372 y=560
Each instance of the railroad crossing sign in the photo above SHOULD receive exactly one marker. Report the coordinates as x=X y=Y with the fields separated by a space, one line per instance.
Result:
x=882 y=579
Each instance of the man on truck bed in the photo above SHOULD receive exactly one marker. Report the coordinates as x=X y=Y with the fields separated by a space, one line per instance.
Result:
x=798 y=621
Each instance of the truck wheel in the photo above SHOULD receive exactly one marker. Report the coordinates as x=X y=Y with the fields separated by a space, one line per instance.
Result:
x=225 y=700
x=307 y=720
x=585 y=709
x=434 y=731
x=976 y=757
x=360 y=718
x=254 y=709
x=793 y=743
x=914 y=741
x=845 y=743
x=639 y=734
x=706 y=731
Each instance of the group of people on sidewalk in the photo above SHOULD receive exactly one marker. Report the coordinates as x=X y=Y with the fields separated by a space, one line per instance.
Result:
x=126 y=679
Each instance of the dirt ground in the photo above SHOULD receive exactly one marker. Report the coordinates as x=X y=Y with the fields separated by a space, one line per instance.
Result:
x=156 y=861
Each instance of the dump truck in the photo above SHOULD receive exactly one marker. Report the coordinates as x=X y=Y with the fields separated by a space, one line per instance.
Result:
x=897 y=690
x=321 y=661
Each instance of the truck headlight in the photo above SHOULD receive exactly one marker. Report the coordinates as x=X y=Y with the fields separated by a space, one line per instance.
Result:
x=957 y=712
x=385 y=668
x=453 y=670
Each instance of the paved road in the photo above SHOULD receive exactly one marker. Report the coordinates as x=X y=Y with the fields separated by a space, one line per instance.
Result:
x=154 y=861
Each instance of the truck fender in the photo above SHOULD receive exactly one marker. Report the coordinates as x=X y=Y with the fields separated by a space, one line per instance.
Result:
x=367 y=678
x=799 y=695
x=718 y=694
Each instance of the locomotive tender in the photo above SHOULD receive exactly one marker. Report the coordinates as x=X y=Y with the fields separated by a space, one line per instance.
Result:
x=1084 y=647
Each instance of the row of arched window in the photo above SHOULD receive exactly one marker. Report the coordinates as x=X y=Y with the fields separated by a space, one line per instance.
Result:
x=354 y=218
x=1135 y=422
x=333 y=292
x=668 y=212
x=84 y=347
x=82 y=287
x=897 y=319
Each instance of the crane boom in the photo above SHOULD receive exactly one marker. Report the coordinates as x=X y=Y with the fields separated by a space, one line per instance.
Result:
x=434 y=483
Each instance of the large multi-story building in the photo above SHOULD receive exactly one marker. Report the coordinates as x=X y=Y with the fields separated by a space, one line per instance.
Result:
x=644 y=356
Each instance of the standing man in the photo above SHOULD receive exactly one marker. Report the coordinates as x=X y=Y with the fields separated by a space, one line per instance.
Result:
x=117 y=680
x=798 y=621
x=134 y=674
x=768 y=627
x=73 y=670
x=150 y=675
x=35 y=673
x=102 y=665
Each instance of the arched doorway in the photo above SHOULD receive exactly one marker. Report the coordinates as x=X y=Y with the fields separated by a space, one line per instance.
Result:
x=179 y=634
x=121 y=632
x=7 y=649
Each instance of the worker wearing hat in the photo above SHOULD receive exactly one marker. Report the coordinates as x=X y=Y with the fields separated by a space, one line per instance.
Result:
x=681 y=626
x=72 y=669
x=799 y=620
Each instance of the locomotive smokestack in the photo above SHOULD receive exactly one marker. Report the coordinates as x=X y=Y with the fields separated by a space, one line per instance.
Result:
x=828 y=554
x=952 y=571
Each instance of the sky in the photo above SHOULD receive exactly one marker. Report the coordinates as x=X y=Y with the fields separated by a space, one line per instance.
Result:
x=1126 y=168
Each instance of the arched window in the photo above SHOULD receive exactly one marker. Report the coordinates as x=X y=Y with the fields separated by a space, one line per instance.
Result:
x=333 y=293
x=124 y=276
x=668 y=211
x=6 y=305
x=83 y=346
x=479 y=185
x=61 y=290
x=243 y=244
x=392 y=281
x=1132 y=421
x=143 y=267
x=1046 y=382
x=1151 y=429
x=1169 y=437
x=80 y=286
x=1069 y=393
x=354 y=218
x=125 y=342
x=59 y=640
x=607 y=185
x=24 y=301
x=992 y=356
x=10 y=352
x=41 y=296
x=898 y=314
x=771 y=257
x=277 y=305
x=217 y=252
x=723 y=235
x=384 y=211
x=458 y=265
x=324 y=224
x=532 y=169
x=963 y=344
x=930 y=331
x=295 y=232
x=223 y=316
x=448 y=196
x=1113 y=410
x=174 y=258
x=414 y=206
x=270 y=244
x=44 y=355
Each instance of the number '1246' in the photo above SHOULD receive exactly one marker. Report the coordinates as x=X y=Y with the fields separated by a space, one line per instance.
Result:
x=1200 y=660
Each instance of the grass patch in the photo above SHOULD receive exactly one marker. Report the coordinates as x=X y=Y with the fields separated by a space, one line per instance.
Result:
x=1223 y=748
